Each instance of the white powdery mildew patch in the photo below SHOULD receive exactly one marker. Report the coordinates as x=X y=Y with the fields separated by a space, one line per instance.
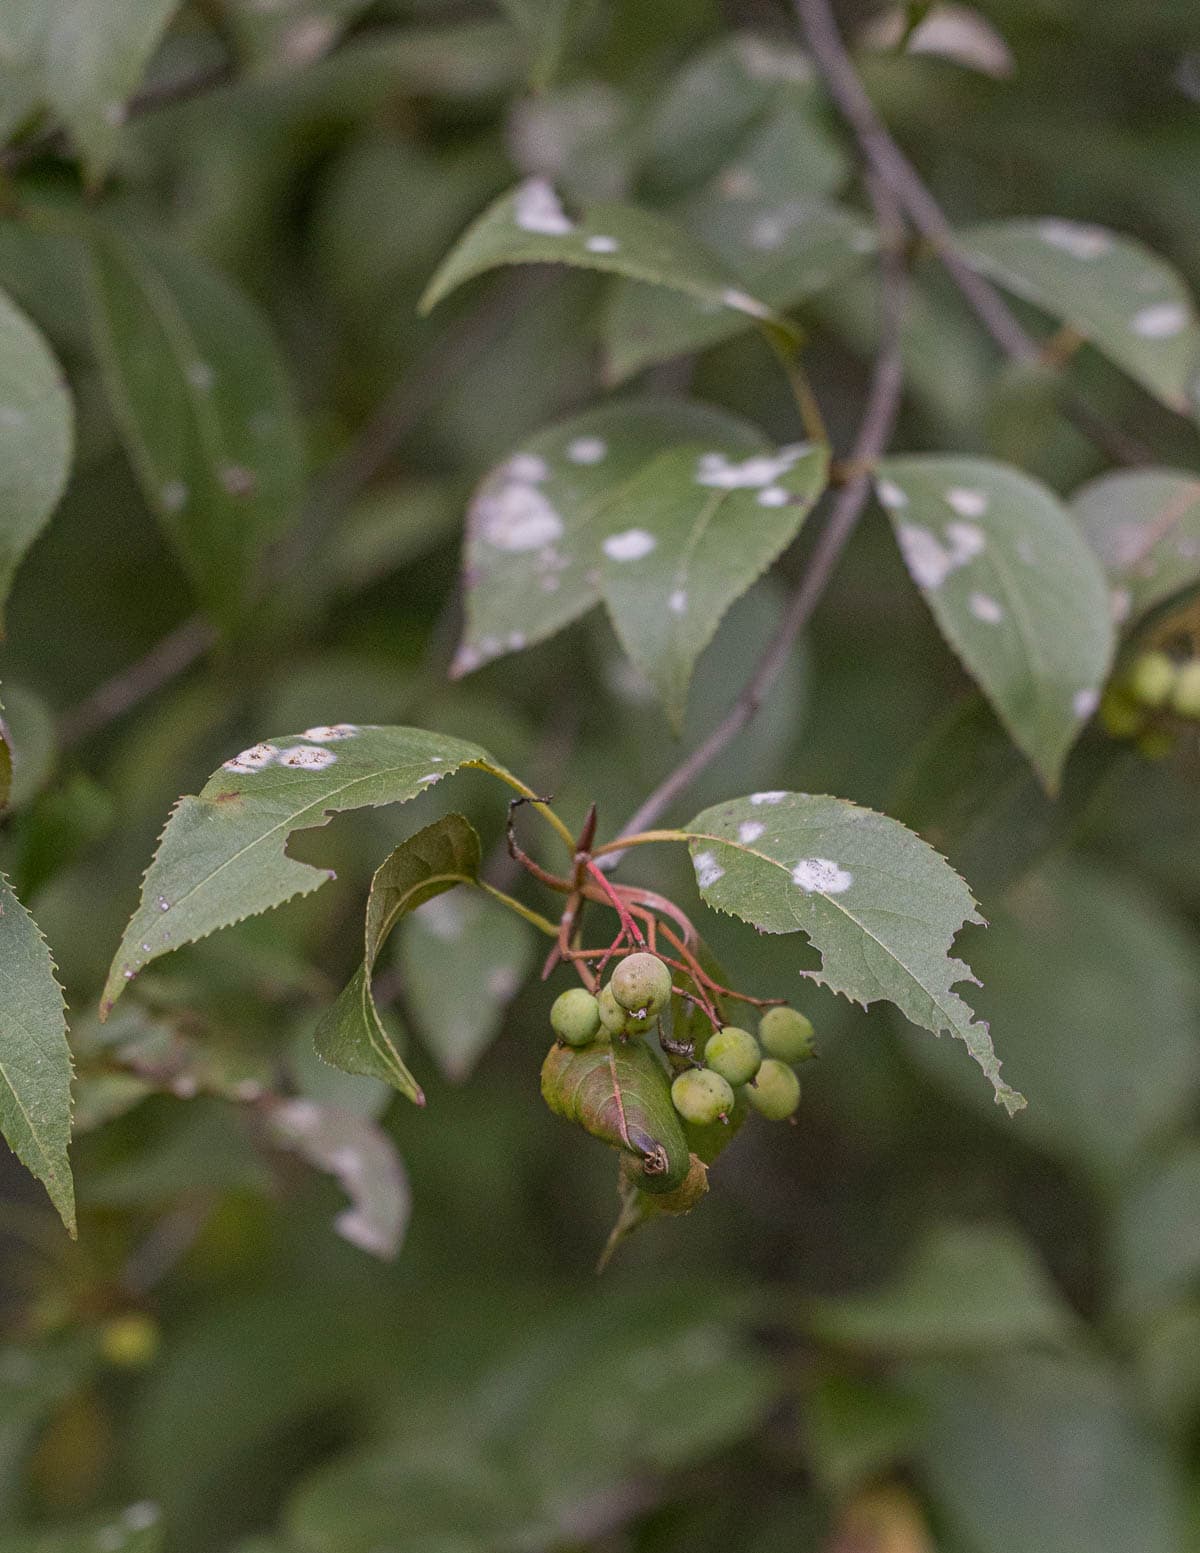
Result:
x=708 y=870
x=601 y=244
x=750 y=830
x=587 y=450
x=1076 y=238
x=307 y=757
x=1120 y=603
x=527 y=467
x=430 y=776
x=1084 y=702
x=776 y=797
x=330 y=733
x=754 y=473
x=890 y=494
x=986 y=608
x=537 y=208
x=200 y=375
x=174 y=496
x=821 y=876
x=773 y=496
x=742 y=303
x=931 y=562
x=516 y=516
x=632 y=545
x=966 y=502
x=678 y=602
x=255 y=758
x=1161 y=321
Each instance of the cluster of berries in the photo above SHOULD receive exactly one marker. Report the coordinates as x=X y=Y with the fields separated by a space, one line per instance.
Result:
x=1153 y=687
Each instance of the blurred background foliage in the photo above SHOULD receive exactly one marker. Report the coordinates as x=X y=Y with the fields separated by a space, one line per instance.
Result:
x=908 y=1324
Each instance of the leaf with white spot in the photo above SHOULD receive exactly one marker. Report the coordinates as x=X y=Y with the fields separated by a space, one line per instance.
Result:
x=36 y=437
x=204 y=407
x=94 y=58
x=1144 y=524
x=879 y=905
x=549 y=525
x=458 y=1012
x=711 y=527
x=363 y=1160
x=352 y=1036
x=1014 y=587
x=1129 y=303
x=35 y=1061
x=529 y=225
x=223 y=854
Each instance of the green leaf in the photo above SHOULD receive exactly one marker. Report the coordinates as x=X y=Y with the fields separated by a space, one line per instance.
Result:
x=35 y=1061
x=36 y=438
x=1014 y=588
x=33 y=740
x=364 y=1161
x=1115 y=292
x=204 y=406
x=528 y=225
x=458 y=1012
x=963 y=1288
x=1156 y=1234
x=94 y=58
x=222 y=856
x=1144 y=524
x=136 y=1529
x=352 y=1036
x=880 y=906
x=545 y=524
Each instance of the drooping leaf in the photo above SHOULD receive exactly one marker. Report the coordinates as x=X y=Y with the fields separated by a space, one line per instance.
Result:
x=136 y=1529
x=352 y=1036
x=363 y=1159
x=94 y=59
x=36 y=438
x=1144 y=524
x=35 y=1061
x=963 y=1288
x=1014 y=588
x=222 y=856
x=880 y=906
x=1128 y=302
x=203 y=404
x=529 y=226
x=458 y=1012
x=620 y=1093
x=552 y=529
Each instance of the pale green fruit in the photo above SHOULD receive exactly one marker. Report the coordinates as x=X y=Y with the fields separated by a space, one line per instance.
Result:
x=612 y=1016
x=1185 y=694
x=641 y=983
x=701 y=1096
x=775 y=1092
x=1150 y=678
x=734 y=1054
x=787 y=1034
x=575 y=1017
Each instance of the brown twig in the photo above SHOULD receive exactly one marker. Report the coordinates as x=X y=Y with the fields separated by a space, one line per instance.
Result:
x=875 y=429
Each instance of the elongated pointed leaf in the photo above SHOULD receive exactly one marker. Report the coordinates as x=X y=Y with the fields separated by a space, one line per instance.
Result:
x=529 y=226
x=35 y=1061
x=352 y=1036
x=1014 y=587
x=222 y=856
x=880 y=906
x=689 y=534
x=36 y=438
x=1128 y=302
x=1144 y=524
x=204 y=407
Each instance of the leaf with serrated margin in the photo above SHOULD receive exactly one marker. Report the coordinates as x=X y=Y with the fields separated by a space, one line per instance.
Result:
x=222 y=856
x=352 y=1036
x=879 y=904
x=1144 y=524
x=35 y=1060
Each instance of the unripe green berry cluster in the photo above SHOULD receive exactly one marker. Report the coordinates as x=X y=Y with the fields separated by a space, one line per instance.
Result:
x=1153 y=689
x=734 y=1063
x=628 y=1005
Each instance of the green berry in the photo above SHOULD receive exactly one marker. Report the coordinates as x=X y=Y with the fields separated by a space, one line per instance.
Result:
x=787 y=1034
x=1121 y=716
x=575 y=1016
x=642 y=984
x=1155 y=743
x=1185 y=693
x=701 y=1096
x=638 y=1024
x=1150 y=678
x=734 y=1054
x=775 y=1092
x=612 y=1015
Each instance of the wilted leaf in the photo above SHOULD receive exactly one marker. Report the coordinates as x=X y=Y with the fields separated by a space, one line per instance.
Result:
x=222 y=856
x=351 y=1035
x=1128 y=302
x=35 y=1061
x=1013 y=586
x=203 y=403
x=880 y=906
x=1144 y=524
x=36 y=438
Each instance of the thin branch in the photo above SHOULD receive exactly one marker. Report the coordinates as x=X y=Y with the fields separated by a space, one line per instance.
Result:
x=170 y=656
x=893 y=168
x=874 y=432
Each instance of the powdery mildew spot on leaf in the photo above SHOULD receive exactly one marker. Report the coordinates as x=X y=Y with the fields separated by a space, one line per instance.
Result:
x=330 y=733
x=537 y=208
x=1160 y=321
x=1085 y=702
x=516 y=517
x=307 y=757
x=821 y=876
x=966 y=502
x=255 y=758
x=632 y=545
x=586 y=450
x=1076 y=238
x=986 y=608
x=601 y=243
x=750 y=830
x=708 y=870
x=718 y=470
x=890 y=494
x=773 y=797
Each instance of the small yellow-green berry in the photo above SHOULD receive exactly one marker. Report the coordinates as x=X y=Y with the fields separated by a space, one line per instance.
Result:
x=130 y=1341
x=1185 y=693
x=575 y=1017
x=775 y=1092
x=787 y=1034
x=1120 y=715
x=612 y=1015
x=701 y=1096
x=641 y=983
x=1150 y=678
x=734 y=1054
